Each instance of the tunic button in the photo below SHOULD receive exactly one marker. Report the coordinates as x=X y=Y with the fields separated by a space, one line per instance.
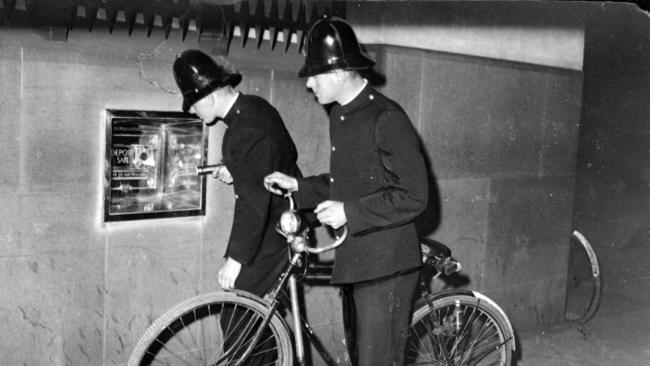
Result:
x=333 y=148
x=236 y=196
x=331 y=180
x=342 y=118
x=371 y=97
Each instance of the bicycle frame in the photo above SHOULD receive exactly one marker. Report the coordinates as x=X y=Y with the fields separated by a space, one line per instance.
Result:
x=288 y=227
x=452 y=327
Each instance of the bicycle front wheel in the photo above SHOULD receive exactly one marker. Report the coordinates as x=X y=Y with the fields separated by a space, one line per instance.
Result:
x=458 y=328
x=214 y=329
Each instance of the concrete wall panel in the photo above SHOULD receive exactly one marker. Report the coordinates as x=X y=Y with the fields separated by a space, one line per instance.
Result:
x=145 y=276
x=10 y=100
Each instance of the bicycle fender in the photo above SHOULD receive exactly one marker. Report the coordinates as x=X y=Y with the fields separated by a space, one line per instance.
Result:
x=446 y=293
x=503 y=313
x=259 y=300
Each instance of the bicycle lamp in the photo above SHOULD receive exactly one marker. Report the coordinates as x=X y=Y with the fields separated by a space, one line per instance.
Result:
x=289 y=222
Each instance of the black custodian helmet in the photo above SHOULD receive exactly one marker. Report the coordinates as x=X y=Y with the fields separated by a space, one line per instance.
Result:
x=198 y=75
x=332 y=44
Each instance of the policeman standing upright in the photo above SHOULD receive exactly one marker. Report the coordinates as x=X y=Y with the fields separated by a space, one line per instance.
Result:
x=377 y=185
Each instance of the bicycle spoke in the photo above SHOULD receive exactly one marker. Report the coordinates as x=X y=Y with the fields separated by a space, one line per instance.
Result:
x=469 y=337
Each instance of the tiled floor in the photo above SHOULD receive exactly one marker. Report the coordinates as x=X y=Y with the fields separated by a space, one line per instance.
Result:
x=618 y=335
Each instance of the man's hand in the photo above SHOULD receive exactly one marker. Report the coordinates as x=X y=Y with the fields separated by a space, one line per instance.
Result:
x=281 y=180
x=228 y=273
x=331 y=213
x=222 y=173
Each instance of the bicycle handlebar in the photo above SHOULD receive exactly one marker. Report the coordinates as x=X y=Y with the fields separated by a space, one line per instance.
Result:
x=289 y=225
x=339 y=240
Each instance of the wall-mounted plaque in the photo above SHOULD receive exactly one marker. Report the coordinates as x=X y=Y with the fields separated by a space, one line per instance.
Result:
x=151 y=160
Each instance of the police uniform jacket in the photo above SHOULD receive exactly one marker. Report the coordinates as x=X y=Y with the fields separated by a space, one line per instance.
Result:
x=377 y=170
x=255 y=144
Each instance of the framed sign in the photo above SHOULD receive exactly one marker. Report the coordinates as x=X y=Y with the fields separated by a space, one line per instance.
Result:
x=151 y=161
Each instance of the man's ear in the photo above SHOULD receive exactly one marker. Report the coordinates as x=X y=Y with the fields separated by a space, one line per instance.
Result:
x=341 y=77
x=213 y=98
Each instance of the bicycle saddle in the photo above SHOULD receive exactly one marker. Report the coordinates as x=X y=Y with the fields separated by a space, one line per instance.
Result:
x=434 y=248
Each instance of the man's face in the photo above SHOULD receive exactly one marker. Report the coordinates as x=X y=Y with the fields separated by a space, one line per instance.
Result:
x=325 y=86
x=205 y=109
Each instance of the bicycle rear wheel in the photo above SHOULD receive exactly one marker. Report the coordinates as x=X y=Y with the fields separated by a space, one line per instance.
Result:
x=213 y=329
x=583 y=281
x=458 y=328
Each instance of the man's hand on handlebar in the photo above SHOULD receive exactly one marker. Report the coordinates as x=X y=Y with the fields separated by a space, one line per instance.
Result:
x=276 y=182
x=331 y=213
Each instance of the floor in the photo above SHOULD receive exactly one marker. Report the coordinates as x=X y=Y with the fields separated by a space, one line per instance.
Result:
x=618 y=335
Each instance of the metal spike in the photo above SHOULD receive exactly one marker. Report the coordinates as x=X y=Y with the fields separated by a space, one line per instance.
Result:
x=130 y=14
x=273 y=21
x=259 y=22
x=313 y=15
x=111 y=16
x=243 y=15
x=91 y=13
x=167 y=13
x=302 y=36
x=288 y=30
x=184 y=23
x=227 y=19
x=244 y=28
x=149 y=18
x=301 y=26
x=69 y=15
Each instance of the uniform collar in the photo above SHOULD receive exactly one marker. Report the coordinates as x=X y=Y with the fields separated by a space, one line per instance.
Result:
x=233 y=110
x=365 y=96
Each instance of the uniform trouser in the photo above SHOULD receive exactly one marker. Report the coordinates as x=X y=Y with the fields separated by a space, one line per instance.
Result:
x=377 y=316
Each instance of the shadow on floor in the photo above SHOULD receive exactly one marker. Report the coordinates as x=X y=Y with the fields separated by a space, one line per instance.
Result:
x=618 y=335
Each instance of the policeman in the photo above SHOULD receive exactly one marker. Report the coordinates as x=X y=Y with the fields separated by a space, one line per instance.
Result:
x=377 y=185
x=255 y=144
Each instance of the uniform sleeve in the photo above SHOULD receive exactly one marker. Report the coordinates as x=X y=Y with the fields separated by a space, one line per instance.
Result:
x=312 y=190
x=404 y=193
x=250 y=160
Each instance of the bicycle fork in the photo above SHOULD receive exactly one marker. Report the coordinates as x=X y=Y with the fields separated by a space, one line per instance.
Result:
x=297 y=326
x=287 y=276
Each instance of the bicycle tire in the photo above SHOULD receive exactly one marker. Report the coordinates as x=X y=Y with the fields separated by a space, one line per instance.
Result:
x=458 y=328
x=193 y=332
x=583 y=281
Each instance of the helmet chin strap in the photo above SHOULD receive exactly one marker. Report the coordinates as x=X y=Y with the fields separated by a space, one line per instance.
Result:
x=214 y=122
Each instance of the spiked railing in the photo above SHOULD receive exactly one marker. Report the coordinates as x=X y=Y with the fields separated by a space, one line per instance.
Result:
x=272 y=20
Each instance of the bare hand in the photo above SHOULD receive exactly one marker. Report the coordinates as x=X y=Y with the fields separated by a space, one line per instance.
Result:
x=228 y=273
x=331 y=213
x=281 y=180
x=222 y=173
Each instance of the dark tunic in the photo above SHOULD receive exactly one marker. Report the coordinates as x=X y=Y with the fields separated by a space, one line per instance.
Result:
x=377 y=169
x=256 y=144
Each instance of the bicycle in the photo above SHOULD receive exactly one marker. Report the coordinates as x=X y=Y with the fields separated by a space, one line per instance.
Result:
x=584 y=282
x=448 y=328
